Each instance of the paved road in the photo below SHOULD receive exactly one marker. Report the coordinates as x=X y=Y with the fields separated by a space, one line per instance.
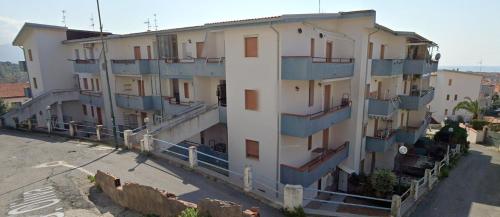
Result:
x=471 y=190
x=38 y=178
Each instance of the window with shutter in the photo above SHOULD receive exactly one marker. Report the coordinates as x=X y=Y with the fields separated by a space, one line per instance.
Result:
x=251 y=100
x=311 y=93
x=252 y=149
x=30 y=55
x=251 y=49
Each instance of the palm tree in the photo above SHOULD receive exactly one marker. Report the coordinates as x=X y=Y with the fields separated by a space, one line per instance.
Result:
x=469 y=105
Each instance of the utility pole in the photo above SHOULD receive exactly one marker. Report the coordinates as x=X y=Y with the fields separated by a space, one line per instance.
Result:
x=115 y=136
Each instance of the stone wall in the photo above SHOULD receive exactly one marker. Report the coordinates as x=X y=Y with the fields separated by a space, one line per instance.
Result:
x=148 y=200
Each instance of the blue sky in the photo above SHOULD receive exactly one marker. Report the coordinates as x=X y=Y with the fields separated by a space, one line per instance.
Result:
x=467 y=31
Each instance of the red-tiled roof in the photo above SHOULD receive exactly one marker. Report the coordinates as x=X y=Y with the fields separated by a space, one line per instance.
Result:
x=12 y=90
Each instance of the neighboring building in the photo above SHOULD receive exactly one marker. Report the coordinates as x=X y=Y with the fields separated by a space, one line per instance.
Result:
x=453 y=87
x=304 y=99
x=14 y=94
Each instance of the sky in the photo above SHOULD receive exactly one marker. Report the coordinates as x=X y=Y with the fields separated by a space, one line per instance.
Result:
x=468 y=32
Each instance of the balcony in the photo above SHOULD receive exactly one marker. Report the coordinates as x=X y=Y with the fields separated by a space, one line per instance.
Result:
x=86 y=66
x=133 y=67
x=316 y=168
x=171 y=106
x=382 y=141
x=187 y=68
x=419 y=67
x=315 y=68
x=417 y=99
x=382 y=107
x=134 y=102
x=409 y=135
x=387 y=67
x=306 y=125
x=92 y=98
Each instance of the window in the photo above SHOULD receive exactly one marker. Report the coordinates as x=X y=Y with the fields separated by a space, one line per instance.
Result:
x=149 y=52
x=137 y=52
x=251 y=49
x=312 y=47
x=85 y=84
x=92 y=110
x=445 y=111
x=382 y=51
x=447 y=97
x=456 y=97
x=186 y=89
x=252 y=149
x=84 y=109
x=251 y=100
x=97 y=84
x=370 y=50
x=35 y=84
x=311 y=93
x=309 y=142
x=449 y=82
x=30 y=55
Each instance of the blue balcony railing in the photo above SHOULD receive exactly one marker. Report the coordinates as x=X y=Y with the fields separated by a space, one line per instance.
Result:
x=419 y=67
x=315 y=68
x=316 y=168
x=92 y=98
x=387 y=67
x=187 y=68
x=416 y=101
x=409 y=135
x=381 y=143
x=134 y=102
x=86 y=66
x=306 y=125
x=133 y=67
x=380 y=107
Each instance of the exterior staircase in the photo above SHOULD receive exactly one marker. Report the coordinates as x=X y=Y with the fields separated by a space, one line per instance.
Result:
x=39 y=103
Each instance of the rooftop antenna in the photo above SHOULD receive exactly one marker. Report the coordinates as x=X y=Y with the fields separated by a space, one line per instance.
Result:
x=156 y=23
x=319 y=6
x=92 y=21
x=149 y=24
x=64 y=17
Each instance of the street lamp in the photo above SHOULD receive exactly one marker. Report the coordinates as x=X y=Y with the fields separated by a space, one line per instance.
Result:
x=402 y=151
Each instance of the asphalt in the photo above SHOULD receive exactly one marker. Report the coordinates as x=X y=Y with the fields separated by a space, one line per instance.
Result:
x=42 y=175
x=471 y=190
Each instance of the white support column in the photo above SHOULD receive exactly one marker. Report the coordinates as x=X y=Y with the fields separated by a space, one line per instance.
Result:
x=437 y=167
x=72 y=128
x=193 y=157
x=396 y=206
x=429 y=180
x=448 y=155
x=414 y=189
x=247 y=179
x=148 y=143
x=293 y=196
x=98 y=130
x=127 y=138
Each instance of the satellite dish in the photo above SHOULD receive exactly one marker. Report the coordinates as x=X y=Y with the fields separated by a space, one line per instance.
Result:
x=437 y=56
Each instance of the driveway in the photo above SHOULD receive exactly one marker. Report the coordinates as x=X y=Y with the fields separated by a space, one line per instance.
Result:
x=471 y=190
x=55 y=169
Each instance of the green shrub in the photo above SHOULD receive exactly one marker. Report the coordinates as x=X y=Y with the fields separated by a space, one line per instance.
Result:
x=478 y=124
x=189 y=212
x=459 y=135
x=444 y=172
x=296 y=212
x=91 y=178
x=383 y=182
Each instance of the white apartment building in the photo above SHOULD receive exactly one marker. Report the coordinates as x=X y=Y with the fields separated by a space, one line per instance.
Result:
x=453 y=87
x=303 y=99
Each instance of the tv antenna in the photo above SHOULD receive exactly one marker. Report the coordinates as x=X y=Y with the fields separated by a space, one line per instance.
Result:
x=92 y=21
x=319 y=6
x=156 y=23
x=149 y=24
x=64 y=17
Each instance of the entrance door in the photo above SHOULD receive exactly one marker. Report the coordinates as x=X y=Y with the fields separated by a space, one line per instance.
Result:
x=327 y=96
x=99 y=115
x=137 y=52
x=319 y=186
x=326 y=138
x=140 y=87
x=175 y=90
x=199 y=49
x=329 y=50
x=379 y=90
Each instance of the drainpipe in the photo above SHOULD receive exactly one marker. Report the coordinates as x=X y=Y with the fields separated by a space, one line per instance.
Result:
x=364 y=101
x=159 y=74
x=278 y=95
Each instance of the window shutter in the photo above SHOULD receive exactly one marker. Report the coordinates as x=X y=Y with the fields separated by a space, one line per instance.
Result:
x=252 y=149
x=251 y=49
x=251 y=100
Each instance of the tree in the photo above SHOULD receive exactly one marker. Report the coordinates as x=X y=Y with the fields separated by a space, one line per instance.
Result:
x=469 y=105
x=383 y=182
x=3 y=107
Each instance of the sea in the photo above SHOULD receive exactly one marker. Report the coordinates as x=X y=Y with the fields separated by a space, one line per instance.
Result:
x=473 y=68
